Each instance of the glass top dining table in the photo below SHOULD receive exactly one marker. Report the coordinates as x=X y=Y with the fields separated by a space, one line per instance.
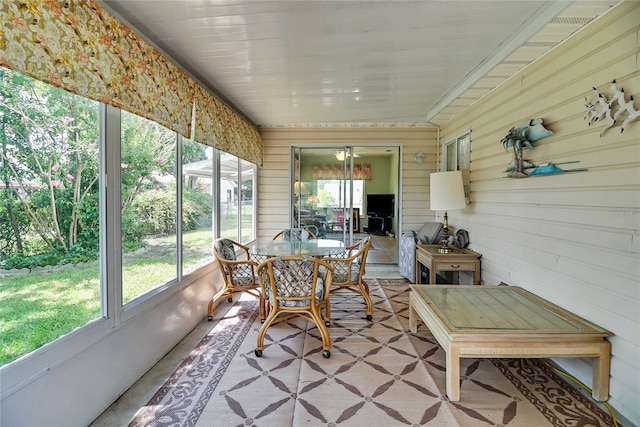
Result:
x=314 y=247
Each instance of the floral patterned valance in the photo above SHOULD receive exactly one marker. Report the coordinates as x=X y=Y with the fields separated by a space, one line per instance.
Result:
x=78 y=46
x=361 y=171
x=220 y=127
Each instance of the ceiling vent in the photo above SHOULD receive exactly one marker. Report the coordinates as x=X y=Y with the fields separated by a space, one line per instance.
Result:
x=573 y=20
x=546 y=44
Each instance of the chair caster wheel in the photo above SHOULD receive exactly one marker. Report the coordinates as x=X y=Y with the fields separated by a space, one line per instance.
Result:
x=326 y=354
x=210 y=318
x=258 y=353
x=369 y=317
x=327 y=323
x=262 y=320
x=229 y=299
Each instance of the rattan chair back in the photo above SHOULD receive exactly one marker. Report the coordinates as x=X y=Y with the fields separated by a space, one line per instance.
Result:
x=296 y=286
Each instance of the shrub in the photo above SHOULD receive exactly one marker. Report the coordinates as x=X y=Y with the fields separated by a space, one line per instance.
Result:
x=196 y=210
x=12 y=219
x=155 y=212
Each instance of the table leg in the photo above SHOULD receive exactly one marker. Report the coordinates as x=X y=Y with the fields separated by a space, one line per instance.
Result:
x=453 y=372
x=601 y=366
x=413 y=319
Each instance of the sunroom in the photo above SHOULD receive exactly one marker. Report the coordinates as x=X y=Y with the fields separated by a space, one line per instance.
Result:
x=132 y=160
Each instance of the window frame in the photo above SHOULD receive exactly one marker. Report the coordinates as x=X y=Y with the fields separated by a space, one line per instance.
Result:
x=460 y=144
x=113 y=314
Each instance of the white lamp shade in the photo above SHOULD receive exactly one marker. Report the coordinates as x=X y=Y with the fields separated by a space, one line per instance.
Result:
x=447 y=192
x=300 y=188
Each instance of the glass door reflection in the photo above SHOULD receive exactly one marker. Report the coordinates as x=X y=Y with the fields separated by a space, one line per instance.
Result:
x=322 y=192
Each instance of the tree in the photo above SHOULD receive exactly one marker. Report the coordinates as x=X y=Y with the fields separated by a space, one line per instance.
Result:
x=49 y=155
x=49 y=158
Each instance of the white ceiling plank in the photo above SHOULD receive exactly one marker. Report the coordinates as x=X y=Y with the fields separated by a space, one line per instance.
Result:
x=303 y=63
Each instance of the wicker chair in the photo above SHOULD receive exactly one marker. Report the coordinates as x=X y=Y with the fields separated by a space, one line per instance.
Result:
x=294 y=286
x=349 y=270
x=297 y=234
x=238 y=275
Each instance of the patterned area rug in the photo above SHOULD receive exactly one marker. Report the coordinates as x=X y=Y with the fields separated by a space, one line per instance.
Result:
x=509 y=392
x=378 y=375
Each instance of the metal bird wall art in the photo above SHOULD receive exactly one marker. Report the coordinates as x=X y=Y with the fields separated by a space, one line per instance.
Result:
x=602 y=106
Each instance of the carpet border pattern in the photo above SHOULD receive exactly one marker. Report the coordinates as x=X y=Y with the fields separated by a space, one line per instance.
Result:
x=526 y=391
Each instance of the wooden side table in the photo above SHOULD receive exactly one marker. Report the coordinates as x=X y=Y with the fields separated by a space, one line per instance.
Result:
x=457 y=260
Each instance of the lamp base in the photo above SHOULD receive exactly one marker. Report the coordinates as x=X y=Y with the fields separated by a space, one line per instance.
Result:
x=445 y=249
x=444 y=240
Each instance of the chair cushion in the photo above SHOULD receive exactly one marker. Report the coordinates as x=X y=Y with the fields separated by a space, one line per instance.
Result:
x=300 y=303
x=225 y=248
x=341 y=275
x=242 y=278
x=296 y=234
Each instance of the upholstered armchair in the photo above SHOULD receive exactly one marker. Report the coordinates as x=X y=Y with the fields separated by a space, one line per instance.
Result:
x=429 y=234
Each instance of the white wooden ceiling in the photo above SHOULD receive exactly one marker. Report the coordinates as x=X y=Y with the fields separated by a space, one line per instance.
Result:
x=354 y=63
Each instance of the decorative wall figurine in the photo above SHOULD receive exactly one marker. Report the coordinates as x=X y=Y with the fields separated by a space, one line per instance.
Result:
x=545 y=168
x=551 y=169
x=602 y=105
x=519 y=138
x=597 y=107
x=632 y=114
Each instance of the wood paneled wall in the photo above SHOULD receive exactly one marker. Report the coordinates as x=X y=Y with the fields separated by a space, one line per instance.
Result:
x=273 y=176
x=571 y=238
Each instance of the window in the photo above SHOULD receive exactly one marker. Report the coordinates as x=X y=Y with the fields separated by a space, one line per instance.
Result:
x=55 y=212
x=197 y=205
x=148 y=194
x=236 y=198
x=49 y=213
x=456 y=155
x=331 y=193
x=247 y=201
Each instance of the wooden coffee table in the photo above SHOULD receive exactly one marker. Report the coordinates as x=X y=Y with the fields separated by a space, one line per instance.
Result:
x=505 y=321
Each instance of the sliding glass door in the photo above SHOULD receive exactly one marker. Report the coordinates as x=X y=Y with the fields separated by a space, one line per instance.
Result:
x=325 y=196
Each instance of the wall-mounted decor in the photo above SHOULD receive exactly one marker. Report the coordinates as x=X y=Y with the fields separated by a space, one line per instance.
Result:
x=602 y=105
x=519 y=138
x=552 y=168
x=360 y=171
x=544 y=168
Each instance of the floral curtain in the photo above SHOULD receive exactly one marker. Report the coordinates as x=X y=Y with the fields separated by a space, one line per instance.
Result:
x=80 y=47
x=220 y=127
x=361 y=171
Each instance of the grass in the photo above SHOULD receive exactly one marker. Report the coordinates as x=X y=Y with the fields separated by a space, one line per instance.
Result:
x=39 y=307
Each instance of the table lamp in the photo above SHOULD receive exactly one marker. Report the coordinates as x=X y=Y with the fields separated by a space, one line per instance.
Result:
x=447 y=193
x=299 y=188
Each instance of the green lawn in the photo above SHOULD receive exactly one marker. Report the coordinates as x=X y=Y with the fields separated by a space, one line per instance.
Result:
x=38 y=307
